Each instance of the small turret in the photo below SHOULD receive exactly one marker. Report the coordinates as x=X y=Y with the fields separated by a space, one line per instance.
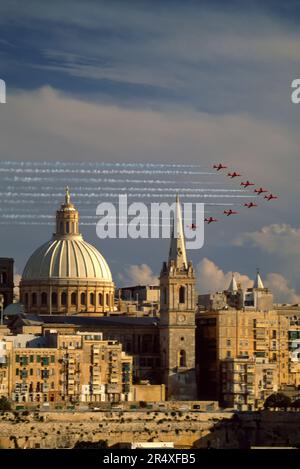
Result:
x=258 y=283
x=233 y=288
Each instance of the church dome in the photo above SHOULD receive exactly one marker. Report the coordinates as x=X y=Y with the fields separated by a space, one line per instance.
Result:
x=71 y=258
x=67 y=275
x=67 y=255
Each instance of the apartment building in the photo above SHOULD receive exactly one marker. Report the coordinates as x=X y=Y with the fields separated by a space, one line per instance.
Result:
x=71 y=368
x=247 y=382
x=235 y=334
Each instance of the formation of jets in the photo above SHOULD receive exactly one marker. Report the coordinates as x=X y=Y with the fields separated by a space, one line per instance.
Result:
x=230 y=212
x=245 y=185
x=210 y=220
x=234 y=175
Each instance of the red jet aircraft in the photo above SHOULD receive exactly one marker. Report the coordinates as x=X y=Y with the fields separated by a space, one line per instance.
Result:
x=233 y=175
x=271 y=196
x=210 y=220
x=230 y=212
x=250 y=205
x=247 y=183
x=260 y=190
x=219 y=166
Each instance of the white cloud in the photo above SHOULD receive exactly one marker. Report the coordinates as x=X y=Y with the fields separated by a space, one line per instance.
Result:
x=279 y=239
x=282 y=242
x=281 y=290
x=139 y=275
x=51 y=126
x=212 y=278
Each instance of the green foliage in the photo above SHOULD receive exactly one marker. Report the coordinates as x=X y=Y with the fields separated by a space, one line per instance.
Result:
x=5 y=405
x=296 y=404
x=277 y=400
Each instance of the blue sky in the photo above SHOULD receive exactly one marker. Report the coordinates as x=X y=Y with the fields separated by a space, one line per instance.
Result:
x=162 y=81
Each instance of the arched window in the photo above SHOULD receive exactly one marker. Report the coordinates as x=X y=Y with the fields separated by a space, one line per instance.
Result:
x=54 y=298
x=92 y=298
x=107 y=299
x=26 y=298
x=67 y=227
x=64 y=298
x=182 y=294
x=164 y=292
x=82 y=299
x=44 y=299
x=33 y=299
x=73 y=298
x=3 y=278
x=100 y=299
x=182 y=358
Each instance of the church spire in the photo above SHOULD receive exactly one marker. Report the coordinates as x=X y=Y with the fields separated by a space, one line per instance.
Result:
x=177 y=251
x=233 y=285
x=258 y=283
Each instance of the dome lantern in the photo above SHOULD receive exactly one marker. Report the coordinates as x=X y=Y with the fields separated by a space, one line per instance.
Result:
x=67 y=218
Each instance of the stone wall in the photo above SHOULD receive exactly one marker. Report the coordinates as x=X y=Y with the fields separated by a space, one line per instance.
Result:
x=185 y=429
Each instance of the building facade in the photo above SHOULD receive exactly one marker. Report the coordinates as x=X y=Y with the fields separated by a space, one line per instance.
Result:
x=70 y=369
x=177 y=318
x=7 y=280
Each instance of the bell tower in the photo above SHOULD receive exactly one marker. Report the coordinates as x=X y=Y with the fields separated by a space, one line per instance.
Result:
x=177 y=318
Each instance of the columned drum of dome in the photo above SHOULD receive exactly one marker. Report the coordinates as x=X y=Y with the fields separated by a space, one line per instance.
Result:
x=67 y=275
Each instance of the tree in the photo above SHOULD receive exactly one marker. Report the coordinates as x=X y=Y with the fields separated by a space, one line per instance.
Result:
x=296 y=403
x=277 y=400
x=4 y=404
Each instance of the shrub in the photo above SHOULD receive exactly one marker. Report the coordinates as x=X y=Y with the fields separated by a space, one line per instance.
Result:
x=277 y=400
x=5 y=405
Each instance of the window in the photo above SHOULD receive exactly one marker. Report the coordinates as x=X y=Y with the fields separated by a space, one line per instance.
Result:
x=3 y=278
x=82 y=299
x=33 y=299
x=73 y=299
x=64 y=298
x=100 y=299
x=52 y=359
x=228 y=342
x=31 y=358
x=92 y=298
x=182 y=358
x=54 y=298
x=31 y=371
x=44 y=299
x=182 y=294
x=164 y=292
x=107 y=299
x=26 y=298
x=67 y=227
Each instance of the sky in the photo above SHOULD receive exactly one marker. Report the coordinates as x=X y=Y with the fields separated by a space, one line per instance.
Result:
x=166 y=89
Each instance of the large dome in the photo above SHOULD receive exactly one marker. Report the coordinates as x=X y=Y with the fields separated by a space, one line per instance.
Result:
x=67 y=275
x=69 y=258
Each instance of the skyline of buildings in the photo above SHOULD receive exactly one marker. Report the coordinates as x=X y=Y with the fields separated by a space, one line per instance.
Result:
x=234 y=346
